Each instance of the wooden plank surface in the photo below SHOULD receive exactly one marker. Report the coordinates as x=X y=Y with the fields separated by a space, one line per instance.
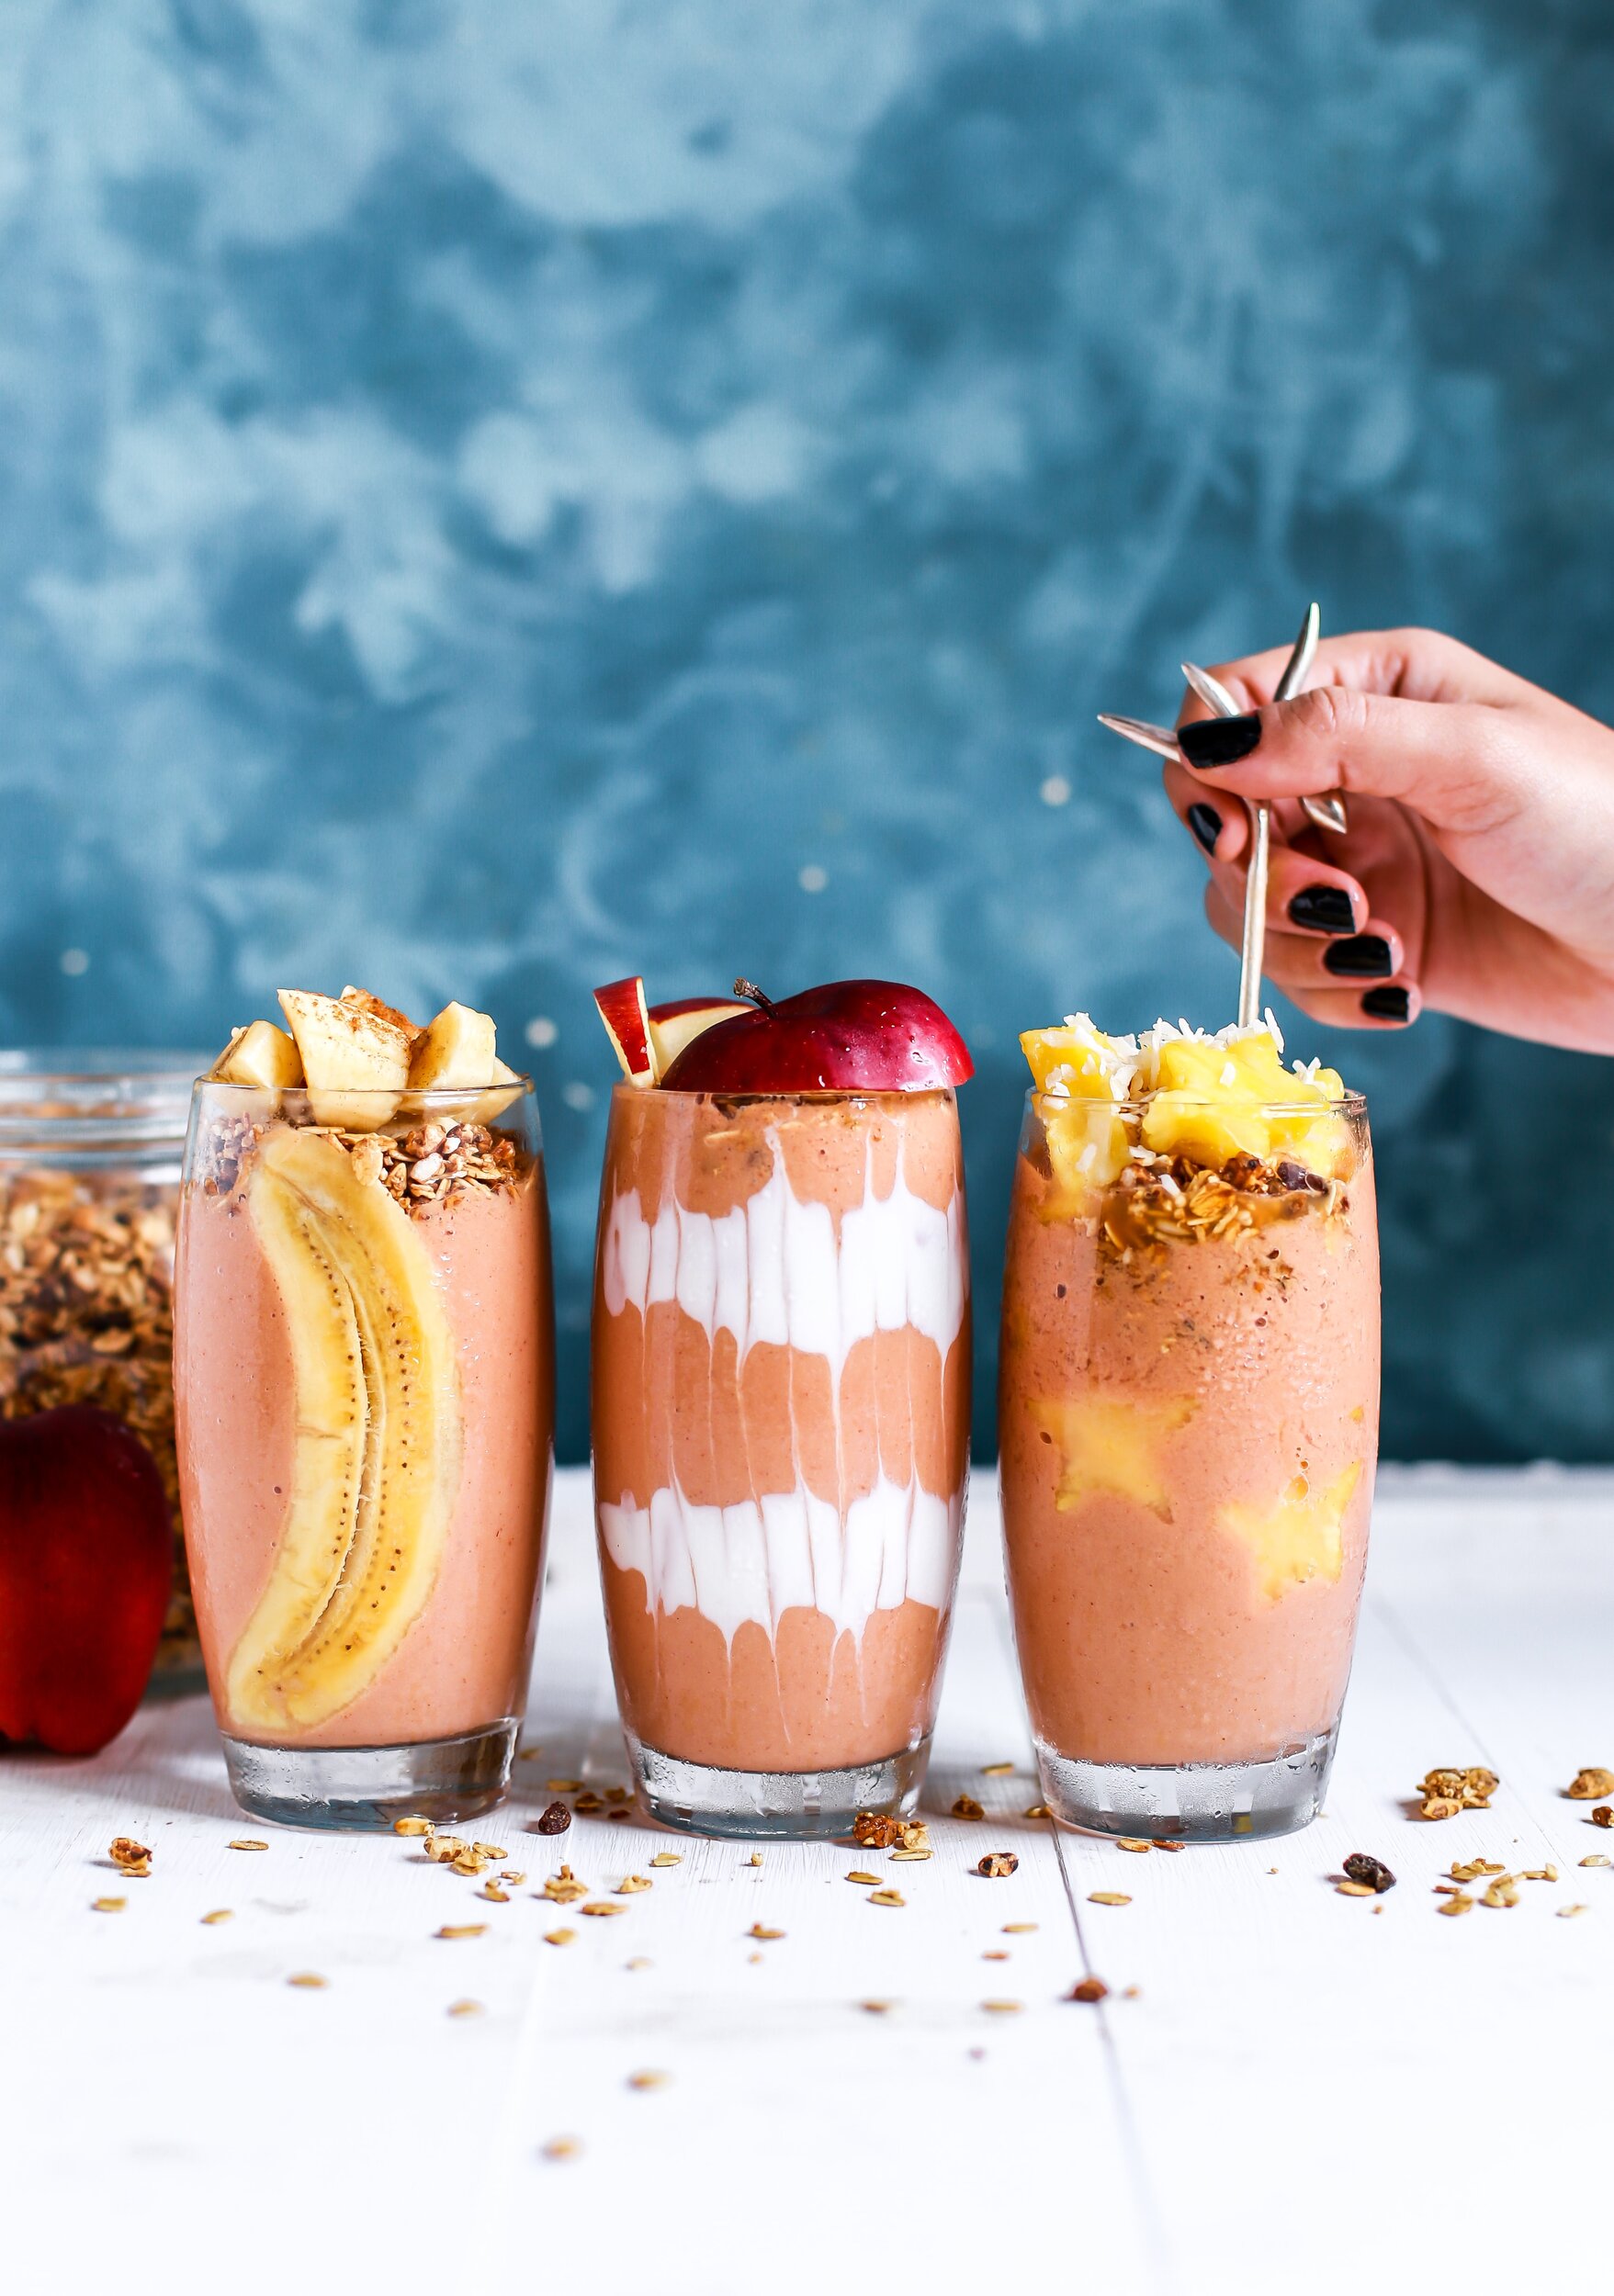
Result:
x=1303 y=2089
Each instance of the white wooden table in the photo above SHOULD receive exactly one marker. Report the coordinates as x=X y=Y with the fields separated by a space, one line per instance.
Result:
x=1285 y=2089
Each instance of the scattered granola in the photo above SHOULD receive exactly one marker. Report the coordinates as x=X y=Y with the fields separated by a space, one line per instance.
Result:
x=1108 y=1898
x=667 y=1857
x=1539 y=1873
x=129 y=1856
x=1002 y=2009
x=560 y=1936
x=649 y=2080
x=463 y=1928
x=872 y=1831
x=885 y=1897
x=220 y=1913
x=968 y=1807
x=246 y=1843
x=442 y=1849
x=876 y=2008
x=108 y=1905
x=869 y=1881
x=1132 y=1842
x=1590 y=1785
x=562 y=1785
x=470 y=1860
x=1446 y=1792
x=766 y=1935
x=493 y=1893
x=632 y=1884
x=491 y=1851
x=559 y=2148
x=416 y=1827
x=1354 y=1889
x=514 y=1875
x=997 y=1865
x=997 y=1770
x=600 y=1907
x=996 y=1954
x=1568 y=1913
x=1501 y=1892
x=465 y=2009
x=1360 y=1867
x=1598 y=1859
x=562 y=1888
x=1038 y=1809
x=1089 y=1989
x=755 y=1858
x=1457 y=1901
x=308 y=1981
x=1475 y=1870
x=1018 y=1928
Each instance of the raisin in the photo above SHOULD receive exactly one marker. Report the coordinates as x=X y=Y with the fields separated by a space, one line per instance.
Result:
x=1360 y=1867
x=555 y=1819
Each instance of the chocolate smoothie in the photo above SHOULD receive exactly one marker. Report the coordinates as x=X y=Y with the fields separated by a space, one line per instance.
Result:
x=781 y=1419
x=1188 y=1428
x=364 y=1375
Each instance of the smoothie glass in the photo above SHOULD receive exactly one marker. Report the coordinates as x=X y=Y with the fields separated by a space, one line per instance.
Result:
x=364 y=1389
x=1189 y=1421
x=781 y=1442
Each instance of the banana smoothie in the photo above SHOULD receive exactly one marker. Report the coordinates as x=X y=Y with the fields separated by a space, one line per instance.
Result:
x=363 y=1367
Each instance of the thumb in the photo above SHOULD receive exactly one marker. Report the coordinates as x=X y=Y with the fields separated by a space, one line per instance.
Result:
x=1454 y=762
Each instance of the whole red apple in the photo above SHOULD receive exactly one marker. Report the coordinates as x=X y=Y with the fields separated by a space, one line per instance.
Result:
x=87 y=1555
x=850 y=1036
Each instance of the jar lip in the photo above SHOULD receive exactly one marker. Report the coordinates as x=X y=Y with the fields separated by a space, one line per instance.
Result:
x=825 y=1095
x=99 y=1066
x=430 y=1098
x=89 y=1105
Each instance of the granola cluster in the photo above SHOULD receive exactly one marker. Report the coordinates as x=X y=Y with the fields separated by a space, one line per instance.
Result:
x=1160 y=1201
x=418 y=1167
x=87 y=1270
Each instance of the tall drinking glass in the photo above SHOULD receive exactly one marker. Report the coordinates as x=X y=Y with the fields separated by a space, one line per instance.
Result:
x=781 y=1439
x=363 y=1388
x=1189 y=1423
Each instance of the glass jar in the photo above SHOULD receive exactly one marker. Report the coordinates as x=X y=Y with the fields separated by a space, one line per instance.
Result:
x=91 y=1145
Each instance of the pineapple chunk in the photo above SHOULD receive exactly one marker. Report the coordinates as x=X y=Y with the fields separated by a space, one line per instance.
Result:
x=1087 y=1139
x=1068 y=1059
x=1203 y=1109
x=262 y=1055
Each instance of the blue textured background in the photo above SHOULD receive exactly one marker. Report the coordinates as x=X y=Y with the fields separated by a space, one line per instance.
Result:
x=494 y=497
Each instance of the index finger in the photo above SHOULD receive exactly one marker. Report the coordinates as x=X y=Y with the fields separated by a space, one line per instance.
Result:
x=1415 y=665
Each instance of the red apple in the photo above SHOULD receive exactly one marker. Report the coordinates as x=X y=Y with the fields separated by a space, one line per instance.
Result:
x=87 y=1555
x=674 y=1026
x=851 y=1036
x=628 y=1024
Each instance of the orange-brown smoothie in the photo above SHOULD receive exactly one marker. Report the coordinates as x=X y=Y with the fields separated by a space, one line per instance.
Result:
x=1187 y=1416
x=781 y=1422
x=448 y=1291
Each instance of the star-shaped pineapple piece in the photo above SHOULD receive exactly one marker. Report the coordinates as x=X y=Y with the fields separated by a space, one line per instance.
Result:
x=1301 y=1536
x=1111 y=1448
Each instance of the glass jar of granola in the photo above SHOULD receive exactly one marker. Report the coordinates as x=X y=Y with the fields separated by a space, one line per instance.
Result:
x=91 y=1145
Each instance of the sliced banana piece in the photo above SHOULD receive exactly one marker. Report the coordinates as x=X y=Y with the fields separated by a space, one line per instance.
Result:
x=378 y=1437
x=261 y=1055
x=356 y=1059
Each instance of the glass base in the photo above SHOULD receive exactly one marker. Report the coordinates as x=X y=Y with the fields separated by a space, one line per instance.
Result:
x=773 y=1804
x=1200 y=1801
x=361 y=1789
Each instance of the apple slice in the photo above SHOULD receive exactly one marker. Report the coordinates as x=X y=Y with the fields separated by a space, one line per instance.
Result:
x=262 y=1055
x=456 y=1050
x=850 y=1036
x=355 y=1062
x=366 y=1003
x=628 y=1024
x=674 y=1026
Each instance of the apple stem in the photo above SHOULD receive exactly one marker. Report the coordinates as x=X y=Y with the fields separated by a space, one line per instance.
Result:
x=749 y=989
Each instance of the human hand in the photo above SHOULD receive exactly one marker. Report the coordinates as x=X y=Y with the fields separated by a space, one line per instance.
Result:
x=1477 y=877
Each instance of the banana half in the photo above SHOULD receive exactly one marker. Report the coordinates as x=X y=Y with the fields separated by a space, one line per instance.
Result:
x=378 y=1444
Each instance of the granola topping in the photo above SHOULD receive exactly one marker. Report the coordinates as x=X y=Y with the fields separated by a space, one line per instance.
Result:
x=419 y=1165
x=1590 y=1785
x=1445 y=1793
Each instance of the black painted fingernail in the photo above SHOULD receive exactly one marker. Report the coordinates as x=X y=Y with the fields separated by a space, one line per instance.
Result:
x=1206 y=823
x=1323 y=909
x=1387 y=1004
x=1219 y=741
x=1364 y=957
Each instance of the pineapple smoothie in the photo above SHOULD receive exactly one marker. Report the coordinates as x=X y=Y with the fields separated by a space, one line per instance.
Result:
x=363 y=1367
x=1189 y=1415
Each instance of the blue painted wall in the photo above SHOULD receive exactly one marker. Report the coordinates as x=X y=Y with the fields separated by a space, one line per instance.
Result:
x=497 y=496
